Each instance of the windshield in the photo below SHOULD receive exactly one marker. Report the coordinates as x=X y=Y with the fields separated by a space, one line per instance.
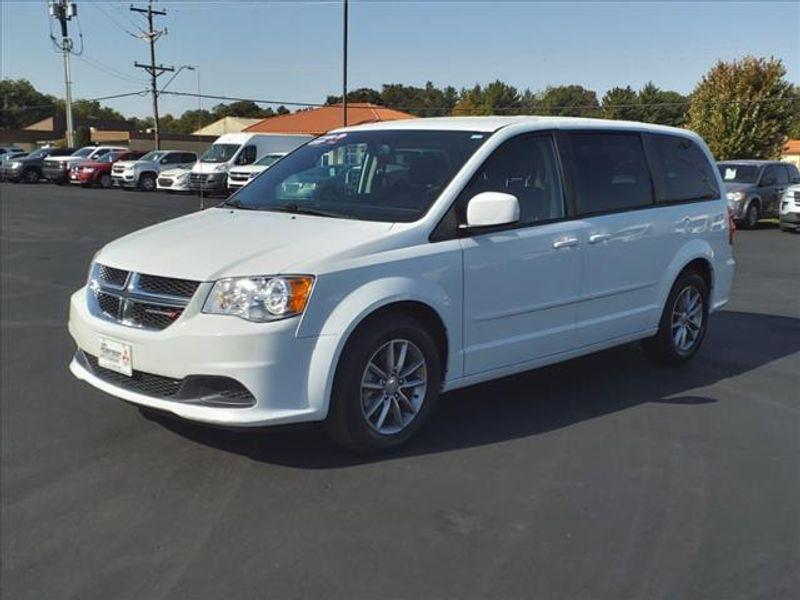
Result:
x=83 y=151
x=368 y=175
x=732 y=173
x=39 y=153
x=269 y=159
x=99 y=152
x=219 y=153
x=153 y=156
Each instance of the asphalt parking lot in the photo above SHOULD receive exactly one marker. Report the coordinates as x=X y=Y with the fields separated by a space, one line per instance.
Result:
x=603 y=477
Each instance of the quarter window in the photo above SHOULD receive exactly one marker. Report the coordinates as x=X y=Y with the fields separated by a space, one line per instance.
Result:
x=526 y=167
x=681 y=170
x=610 y=172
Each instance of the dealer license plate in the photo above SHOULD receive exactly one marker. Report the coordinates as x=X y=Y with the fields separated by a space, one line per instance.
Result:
x=117 y=356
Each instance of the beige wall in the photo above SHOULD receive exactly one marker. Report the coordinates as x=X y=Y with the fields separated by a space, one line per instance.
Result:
x=792 y=158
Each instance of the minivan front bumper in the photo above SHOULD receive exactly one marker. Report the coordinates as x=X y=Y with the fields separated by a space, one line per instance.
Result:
x=267 y=360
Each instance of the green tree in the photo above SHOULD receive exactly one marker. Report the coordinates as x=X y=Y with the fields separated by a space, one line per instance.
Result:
x=568 y=100
x=22 y=104
x=242 y=108
x=661 y=106
x=794 y=129
x=743 y=108
x=360 y=95
x=621 y=103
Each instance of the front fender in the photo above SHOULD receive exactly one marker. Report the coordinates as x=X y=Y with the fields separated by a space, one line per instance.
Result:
x=334 y=330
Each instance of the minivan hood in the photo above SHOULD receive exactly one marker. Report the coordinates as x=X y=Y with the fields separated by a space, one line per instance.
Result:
x=738 y=187
x=201 y=167
x=221 y=242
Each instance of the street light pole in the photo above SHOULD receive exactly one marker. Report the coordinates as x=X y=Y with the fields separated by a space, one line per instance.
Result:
x=344 y=67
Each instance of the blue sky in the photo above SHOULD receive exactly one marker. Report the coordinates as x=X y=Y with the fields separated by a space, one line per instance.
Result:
x=291 y=50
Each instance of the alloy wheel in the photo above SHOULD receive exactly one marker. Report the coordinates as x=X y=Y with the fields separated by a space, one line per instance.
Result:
x=687 y=319
x=393 y=386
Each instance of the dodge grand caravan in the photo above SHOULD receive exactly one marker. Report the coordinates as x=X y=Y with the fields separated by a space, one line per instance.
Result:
x=421 y=256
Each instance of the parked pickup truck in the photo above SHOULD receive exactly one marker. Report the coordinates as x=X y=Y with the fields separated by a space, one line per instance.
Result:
x=56 y=168
x=28 y=168
x=92 y=172
x=142 y=173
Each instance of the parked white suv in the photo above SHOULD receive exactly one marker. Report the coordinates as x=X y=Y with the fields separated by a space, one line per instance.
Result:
x=790 y=209
x=379 y=265
x=142 y=173
x=241 y=176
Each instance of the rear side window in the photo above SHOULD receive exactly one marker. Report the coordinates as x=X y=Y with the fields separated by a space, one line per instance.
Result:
x=526 y=167
x=610 y=172
x=681 y=170
x=187 y=158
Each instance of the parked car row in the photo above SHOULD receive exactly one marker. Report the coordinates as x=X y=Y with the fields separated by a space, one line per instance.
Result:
x=231 y=162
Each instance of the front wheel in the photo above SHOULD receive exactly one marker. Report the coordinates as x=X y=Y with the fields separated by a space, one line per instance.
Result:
x=147 y=183
x=105 y=181
x=386 y=385
x=752 y=216
x=31 y=176
x=683 y=322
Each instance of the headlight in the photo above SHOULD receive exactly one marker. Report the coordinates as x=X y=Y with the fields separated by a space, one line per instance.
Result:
x=182 y=178
x=88 y=169
x=15 y=165
x=736 y=196
x=260 y=298
x=221 y=168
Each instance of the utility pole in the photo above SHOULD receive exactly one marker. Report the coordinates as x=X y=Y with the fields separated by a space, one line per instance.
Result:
x=344 y=66
x=154 y=71
x=63 y=11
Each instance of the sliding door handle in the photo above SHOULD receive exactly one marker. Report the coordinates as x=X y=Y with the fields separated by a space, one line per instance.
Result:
x=565 y=243
x=599 y=237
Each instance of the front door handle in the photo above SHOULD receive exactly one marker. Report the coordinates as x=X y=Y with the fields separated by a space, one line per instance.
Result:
x=599 y=237
x=565 y=243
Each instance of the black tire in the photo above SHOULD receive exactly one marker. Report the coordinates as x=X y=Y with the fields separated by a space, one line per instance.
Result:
x=147 y=182
x=662 y=347
x=31 y=176
x=105 y=181
x=346 y=423
x=752 y=216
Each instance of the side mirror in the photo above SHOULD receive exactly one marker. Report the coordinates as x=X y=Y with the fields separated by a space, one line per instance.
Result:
x=490 y=209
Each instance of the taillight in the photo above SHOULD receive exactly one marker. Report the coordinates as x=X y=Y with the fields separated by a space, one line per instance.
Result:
x=731 y=227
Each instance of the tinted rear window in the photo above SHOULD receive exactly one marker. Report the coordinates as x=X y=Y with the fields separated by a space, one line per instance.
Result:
x=610 y=172
x=681 y=170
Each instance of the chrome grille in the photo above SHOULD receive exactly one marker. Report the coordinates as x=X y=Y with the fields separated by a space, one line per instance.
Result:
x=240 y=176
x=138 y=300
x=167 y=286
x=198 y=177
x=112 y=276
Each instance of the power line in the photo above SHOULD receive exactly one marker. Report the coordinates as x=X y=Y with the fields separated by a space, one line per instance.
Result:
x=97 y=99
x=99 y=66
x=108 y=15
x=504 y=109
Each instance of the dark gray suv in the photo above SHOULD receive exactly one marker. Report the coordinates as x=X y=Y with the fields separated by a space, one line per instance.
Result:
x=754 y=188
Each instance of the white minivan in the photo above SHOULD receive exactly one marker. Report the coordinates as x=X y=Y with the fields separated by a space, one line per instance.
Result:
x=379 y=265
x=210 y=174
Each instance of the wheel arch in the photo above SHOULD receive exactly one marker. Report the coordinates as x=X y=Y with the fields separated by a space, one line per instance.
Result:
x=696 y=255
x=374 y=301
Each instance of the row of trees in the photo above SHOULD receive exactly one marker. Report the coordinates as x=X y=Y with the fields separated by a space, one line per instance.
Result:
x=743 y=108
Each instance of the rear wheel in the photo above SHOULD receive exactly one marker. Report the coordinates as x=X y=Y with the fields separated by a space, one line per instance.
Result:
x=683 y=322
x=386 y=385
x=752 y=216
x=147 y=182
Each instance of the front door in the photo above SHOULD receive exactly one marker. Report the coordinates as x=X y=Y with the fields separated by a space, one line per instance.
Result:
x=521 y=283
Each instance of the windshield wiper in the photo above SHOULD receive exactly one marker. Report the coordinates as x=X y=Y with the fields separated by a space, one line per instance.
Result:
x=238 y=205
x=306 y=210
